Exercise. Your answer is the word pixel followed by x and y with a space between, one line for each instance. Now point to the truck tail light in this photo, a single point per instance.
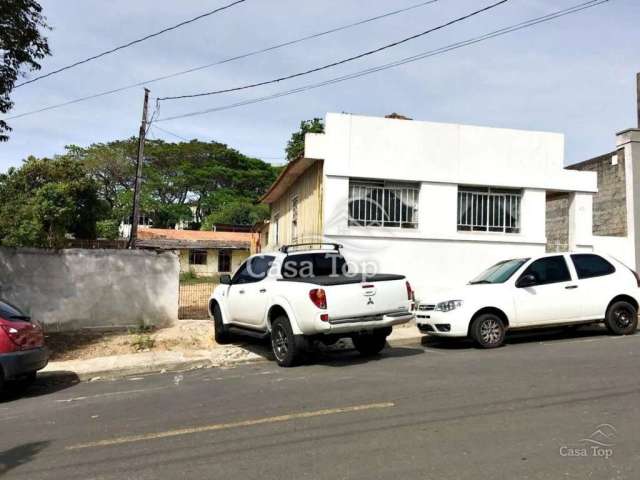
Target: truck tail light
pixel 319 298
pixel 409 292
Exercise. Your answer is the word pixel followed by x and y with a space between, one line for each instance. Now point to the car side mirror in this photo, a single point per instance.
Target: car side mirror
pixel 225 279
pixel 528 280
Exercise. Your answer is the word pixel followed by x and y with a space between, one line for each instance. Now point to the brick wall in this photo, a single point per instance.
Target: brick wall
pixel 609 204
pixel 557 222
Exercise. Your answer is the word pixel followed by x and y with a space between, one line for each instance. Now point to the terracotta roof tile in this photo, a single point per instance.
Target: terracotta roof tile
pixel 168 238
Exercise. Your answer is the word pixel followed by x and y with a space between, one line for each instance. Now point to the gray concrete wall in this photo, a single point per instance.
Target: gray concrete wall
pixel 610 203
pixel 72 289
pixel 557 222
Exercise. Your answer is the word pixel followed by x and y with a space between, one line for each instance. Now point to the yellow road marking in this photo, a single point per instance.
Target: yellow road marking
pixel 226 426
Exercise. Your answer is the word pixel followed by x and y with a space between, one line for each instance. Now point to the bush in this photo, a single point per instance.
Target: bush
pixel 108 229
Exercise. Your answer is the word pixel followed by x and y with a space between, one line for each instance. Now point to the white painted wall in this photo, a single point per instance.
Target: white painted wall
pixel 436 256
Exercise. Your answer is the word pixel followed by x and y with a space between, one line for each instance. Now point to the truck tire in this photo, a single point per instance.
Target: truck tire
pixel 369 344
pixel 488 331
pixel 220 332
pixel 286 347
pixel 622 318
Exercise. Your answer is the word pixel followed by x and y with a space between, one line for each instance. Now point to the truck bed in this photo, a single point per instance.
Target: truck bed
pixel 344 279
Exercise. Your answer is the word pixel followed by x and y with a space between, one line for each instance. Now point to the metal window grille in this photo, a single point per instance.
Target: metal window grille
pixel 383 204
pixel 489 210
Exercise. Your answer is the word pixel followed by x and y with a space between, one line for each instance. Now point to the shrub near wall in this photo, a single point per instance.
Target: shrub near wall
pixel 76 288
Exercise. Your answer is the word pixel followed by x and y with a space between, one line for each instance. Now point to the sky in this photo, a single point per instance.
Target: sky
pixel 574 75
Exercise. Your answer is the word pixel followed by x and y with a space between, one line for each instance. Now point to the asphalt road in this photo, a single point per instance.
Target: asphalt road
pixel 532 409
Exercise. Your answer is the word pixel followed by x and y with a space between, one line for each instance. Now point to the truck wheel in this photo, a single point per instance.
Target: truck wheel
pixel 488 331
pixel 285 346
pixel 369 344
pixel 622 318
pixel 221 334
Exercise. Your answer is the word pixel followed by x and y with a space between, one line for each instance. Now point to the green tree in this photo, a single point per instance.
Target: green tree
pixel 180 180
pixel 21 45
pixel 44 201
pixel 295 146
pixel 236 213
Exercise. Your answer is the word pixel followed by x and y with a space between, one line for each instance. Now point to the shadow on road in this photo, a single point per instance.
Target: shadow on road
pixel 518 337
pixel 340 354
pixel 45 384
pixel 16 456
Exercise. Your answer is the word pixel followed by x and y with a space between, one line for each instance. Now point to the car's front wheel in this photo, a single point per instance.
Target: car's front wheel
pixel 622 318
pixel 369 344
pixel 220 331
pixel 488 331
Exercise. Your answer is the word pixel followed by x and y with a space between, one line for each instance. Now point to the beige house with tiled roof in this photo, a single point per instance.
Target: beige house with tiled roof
pixel 202 252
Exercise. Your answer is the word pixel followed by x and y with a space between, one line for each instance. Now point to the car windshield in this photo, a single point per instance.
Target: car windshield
pixel 11 312
pixel 500 272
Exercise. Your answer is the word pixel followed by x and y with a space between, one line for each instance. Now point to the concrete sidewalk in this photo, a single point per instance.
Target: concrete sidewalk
pixel 117 366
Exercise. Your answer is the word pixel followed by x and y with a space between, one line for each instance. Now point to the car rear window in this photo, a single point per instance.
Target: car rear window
pixel 308 265
pixel 589 265
pixel 11 312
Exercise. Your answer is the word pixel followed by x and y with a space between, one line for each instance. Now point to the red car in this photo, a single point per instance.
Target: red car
pixel 22 350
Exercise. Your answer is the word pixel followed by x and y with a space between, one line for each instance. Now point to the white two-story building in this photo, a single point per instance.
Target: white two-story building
pixel 436 202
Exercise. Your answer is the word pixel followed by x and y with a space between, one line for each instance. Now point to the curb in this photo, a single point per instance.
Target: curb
pixel 175 366
pixel 182 366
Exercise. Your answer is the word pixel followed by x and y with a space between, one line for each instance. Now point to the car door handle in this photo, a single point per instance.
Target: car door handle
pixel 241 291
pixel 571 287
pixel 262 290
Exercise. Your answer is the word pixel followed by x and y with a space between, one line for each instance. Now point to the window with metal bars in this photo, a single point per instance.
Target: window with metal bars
pixel 489 209
pixel 383 204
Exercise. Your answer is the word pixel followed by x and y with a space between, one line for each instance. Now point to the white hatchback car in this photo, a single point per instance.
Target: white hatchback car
pixel 550 290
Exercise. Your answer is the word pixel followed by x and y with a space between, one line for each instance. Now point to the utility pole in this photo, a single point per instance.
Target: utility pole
pixel 133 236
pixel 638 96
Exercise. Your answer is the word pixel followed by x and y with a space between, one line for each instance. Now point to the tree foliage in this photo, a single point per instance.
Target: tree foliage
pixel 182 182
pixel 21 45
pixel 44 201
pixel 87 192
pixel 295 146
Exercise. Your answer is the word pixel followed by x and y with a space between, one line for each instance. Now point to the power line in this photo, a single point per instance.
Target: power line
pixel 221 62
pixel 134 42
pixel 171 133
pixel 250 155
pixel 343 61
pixel 406 60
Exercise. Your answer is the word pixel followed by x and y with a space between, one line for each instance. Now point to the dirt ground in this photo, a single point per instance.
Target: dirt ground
pixel 186 335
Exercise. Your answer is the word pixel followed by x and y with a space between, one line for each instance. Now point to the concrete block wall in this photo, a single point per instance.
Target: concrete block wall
pixel 73 289
pixel 610 203
pixel 557 222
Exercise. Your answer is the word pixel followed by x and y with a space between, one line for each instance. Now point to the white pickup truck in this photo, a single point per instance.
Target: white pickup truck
pixel 304 293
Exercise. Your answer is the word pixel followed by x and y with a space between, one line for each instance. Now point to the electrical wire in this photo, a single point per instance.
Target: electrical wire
pixel 129 44
pixel 403 61
pixel 340 62
pixel 221 62
pixel 184 139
